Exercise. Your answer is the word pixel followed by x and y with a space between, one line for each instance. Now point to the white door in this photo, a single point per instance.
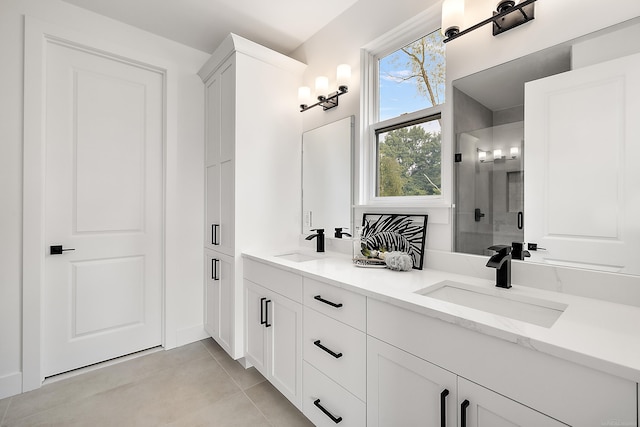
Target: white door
pixel 103 199
pixel 404 390
pixel 581 166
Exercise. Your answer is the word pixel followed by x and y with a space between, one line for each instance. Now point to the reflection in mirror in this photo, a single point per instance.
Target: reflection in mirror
pixel 326 177
pixel 546 190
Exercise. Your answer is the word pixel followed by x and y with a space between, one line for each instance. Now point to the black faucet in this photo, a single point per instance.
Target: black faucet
pixel 339 233
pixel 320 236
pixel 502 263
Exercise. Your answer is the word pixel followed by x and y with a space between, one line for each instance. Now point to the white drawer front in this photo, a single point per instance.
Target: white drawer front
pixel 322 297
pixel 283 282
pixel 320 392
pixel 348 364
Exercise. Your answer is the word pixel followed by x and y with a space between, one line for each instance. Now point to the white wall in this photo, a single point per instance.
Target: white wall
pixel 185 185
pixel 341 41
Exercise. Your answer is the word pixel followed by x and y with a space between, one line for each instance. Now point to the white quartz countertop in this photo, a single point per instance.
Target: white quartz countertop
pixel 598 334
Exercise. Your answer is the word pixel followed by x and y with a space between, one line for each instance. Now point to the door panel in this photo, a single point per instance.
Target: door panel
pixel 581 201
pixel 103 198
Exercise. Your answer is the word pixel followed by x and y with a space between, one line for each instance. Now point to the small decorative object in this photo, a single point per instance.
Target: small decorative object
pixel 383 233
pixel 399 261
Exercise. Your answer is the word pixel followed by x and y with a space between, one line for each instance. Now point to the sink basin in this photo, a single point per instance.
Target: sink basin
pixel 527 309
pixel 298 257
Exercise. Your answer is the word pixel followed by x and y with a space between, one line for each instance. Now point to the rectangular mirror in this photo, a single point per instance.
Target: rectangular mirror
pixel 327 155
pixel 545 154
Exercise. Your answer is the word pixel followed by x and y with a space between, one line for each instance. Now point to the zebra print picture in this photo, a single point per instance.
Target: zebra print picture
pixel 396 232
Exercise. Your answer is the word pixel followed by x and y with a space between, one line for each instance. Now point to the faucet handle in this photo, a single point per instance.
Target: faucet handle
pixel 501 249
pixel 319 230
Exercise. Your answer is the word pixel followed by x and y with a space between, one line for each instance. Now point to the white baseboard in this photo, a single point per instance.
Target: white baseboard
pixel 10 385
pixel 191 334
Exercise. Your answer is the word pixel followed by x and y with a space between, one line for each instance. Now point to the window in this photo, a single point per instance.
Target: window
pixel 404 109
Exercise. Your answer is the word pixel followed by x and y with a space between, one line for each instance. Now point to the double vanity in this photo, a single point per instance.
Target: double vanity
pixel 358 346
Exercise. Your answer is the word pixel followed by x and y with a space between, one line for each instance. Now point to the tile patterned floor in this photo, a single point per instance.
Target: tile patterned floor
pixel 194 385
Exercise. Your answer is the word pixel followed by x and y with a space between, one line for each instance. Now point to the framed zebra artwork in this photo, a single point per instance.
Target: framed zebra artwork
pixel 395 232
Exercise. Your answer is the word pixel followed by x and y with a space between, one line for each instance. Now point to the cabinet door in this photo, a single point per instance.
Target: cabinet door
pixel 212 205
pixel 255 342
pixel 226 307
pixel 212 122
pixel 404 390
pixel 581 201
pixel 212 296
pixel 285 346
pixel 227 208
pixel 488 409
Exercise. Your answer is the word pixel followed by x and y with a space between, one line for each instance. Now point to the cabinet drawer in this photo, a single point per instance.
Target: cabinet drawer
pixel 319 393
pixel 352 307
pixel 283 282
pixel 336 349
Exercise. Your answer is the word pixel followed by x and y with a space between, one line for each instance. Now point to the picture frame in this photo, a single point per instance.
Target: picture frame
pixel 396 232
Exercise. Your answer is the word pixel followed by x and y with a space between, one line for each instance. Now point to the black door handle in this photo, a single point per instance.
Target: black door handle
pixel 214 269
pixel 266 313
pixel 214 234
pixel 262 321
pixel 57 250
pixel 443 407
pixel 463 413
pixel 334 354
pixel 520 220
pixel 327 413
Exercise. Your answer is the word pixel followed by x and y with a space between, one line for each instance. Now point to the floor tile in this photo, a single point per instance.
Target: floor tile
pixel 234 411
pixel 75 388
pixel 244 377
pixel 155 400
pixel 4 404
pixel 278 410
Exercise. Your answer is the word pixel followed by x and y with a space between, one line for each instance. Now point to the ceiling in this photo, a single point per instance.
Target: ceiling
pixel 281 25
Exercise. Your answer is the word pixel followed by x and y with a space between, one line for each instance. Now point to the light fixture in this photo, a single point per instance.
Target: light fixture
pixel 508 15
pixel 497 154
pixel 327 101
pixel 482 156
pixel 514 152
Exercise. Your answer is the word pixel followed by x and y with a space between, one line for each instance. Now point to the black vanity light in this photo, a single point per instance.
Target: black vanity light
pixel 509 14
pixel 326 101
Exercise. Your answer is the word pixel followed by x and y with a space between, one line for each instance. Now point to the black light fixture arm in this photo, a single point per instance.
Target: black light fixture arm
pixel 505 19
pixel 327 102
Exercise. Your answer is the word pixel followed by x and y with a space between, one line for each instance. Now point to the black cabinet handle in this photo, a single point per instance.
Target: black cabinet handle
pixel 214 269
pixel 266 313
pixel 262 321
pixel 520 220
pixel 327 413
pixel 443 407
pixel 463 413
pixel 332 304
pixel 214 234
pixel 336 355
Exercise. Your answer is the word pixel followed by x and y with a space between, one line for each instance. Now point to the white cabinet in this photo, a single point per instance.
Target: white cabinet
pixel 219 293
pixel 274 339
pixel 404 390
pixel 274 326
pixel 252 167
pixel 481 407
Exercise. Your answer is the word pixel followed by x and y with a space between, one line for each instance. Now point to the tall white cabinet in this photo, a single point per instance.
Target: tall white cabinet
pixel 252 168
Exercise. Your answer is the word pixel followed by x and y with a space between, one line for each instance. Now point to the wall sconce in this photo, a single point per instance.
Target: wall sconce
pixel 327 101
pixel 497 155
pixel 508 15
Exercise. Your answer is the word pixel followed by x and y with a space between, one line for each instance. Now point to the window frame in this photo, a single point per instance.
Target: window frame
pixel 419 26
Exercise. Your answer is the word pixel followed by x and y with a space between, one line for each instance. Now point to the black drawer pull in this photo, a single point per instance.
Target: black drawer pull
pixel 214 269
pixel 332 304
pixel 266 312
pixel 336 355
pixel 443 407
pixel 463 413
pixel 262 321
pixel 327 413
pixel 214 234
